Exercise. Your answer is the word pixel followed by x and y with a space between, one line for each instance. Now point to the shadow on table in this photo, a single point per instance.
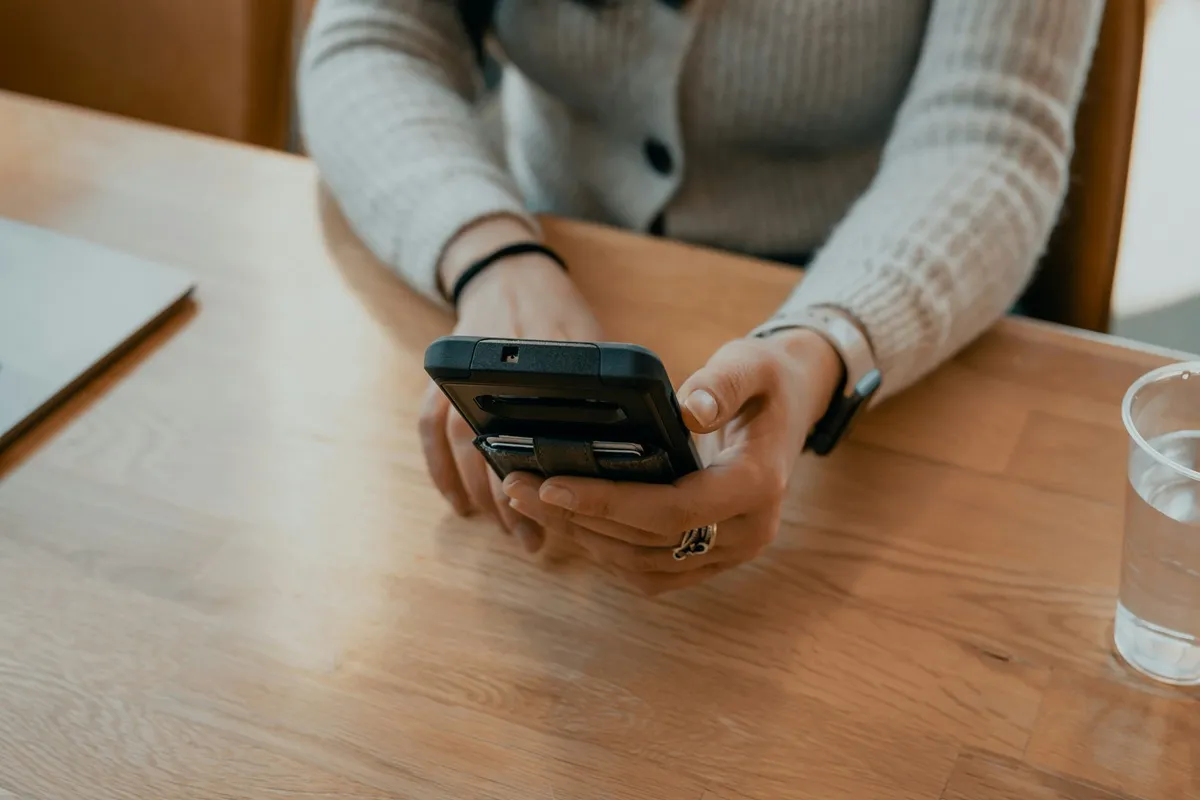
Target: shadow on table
pixel 91 387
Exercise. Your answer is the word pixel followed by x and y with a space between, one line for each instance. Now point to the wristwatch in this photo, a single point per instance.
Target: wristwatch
pixel 861 377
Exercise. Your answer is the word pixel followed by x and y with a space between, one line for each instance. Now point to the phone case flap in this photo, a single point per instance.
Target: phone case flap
pixel 565 457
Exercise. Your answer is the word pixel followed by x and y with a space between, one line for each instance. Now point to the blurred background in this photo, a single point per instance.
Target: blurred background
pixel 218 67
pixel 225 68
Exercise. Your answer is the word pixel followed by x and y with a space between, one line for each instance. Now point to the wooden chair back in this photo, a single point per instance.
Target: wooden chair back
pixel 1074 282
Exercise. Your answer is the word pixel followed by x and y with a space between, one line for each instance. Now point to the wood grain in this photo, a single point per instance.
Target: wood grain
pixel 223 571
pixel 982 777
pixel 1141 739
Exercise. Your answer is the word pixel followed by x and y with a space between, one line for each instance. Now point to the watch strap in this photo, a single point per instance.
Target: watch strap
pixel 861 378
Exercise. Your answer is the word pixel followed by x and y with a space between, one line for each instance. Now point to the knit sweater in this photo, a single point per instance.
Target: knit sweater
pixel 919 147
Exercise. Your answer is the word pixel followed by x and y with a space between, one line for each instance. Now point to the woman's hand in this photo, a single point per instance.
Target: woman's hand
pixel 527 296
pixel 758 399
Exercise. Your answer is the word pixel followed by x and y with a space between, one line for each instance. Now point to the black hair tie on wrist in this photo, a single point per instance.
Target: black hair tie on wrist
pixel 520 248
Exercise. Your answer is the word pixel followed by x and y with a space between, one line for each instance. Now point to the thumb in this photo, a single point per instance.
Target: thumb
pixel 710 398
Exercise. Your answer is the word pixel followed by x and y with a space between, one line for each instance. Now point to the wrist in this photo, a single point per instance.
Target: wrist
pixel 838 394
pixel 816 363
pixel 510 275
pixel 477 240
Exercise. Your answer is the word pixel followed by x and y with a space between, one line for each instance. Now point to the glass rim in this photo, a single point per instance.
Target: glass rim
pixel 1153 376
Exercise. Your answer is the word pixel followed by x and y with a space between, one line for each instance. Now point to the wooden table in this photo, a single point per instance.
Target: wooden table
pixel 223 572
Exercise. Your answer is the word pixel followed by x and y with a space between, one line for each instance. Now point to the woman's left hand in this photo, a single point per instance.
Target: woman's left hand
pixel 758 399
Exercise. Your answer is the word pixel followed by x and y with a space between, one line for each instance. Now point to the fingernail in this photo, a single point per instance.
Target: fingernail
pixel 531 537
pixel 557 496
pixel 703 406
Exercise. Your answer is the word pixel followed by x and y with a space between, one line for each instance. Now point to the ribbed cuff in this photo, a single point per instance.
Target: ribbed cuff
pixel 896 327
pixel 457 203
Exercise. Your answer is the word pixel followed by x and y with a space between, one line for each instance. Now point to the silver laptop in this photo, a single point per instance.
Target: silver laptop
pixel 67 308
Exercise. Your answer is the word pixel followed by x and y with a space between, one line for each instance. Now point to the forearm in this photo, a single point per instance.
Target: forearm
pixel 970 185
pixel 386 91
pixel 924 270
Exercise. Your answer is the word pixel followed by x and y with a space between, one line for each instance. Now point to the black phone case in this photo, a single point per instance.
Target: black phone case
pixel 565 396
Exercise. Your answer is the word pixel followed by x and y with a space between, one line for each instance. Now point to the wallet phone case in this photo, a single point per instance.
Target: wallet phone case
pixel 567 404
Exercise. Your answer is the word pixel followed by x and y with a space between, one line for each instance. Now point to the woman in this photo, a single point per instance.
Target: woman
pixel 914 152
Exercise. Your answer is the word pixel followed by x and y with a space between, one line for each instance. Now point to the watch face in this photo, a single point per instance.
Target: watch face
pixel 869 384
pixel 864 390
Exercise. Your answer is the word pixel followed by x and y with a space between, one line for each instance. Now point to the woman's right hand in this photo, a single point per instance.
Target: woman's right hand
pixel 523 297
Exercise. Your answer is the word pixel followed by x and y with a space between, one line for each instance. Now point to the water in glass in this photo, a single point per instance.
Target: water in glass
pixel 1158 616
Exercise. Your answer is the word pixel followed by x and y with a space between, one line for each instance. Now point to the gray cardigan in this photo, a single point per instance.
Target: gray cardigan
pixel 921 147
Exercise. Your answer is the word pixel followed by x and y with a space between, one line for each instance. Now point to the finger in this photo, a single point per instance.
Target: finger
pixel 652 584
pixel 508 518
pixel 720 492
pixel 523 492
pixel 523 487
pixel 439 458
pixel 625 559
pixel 525 504
pixel 622 534
pixel 528 532
pixel 472 468
pixel 634 558
pixel 738 373
pixel 567 523
pixel 526 483
pixel 536 514
pixel 741 539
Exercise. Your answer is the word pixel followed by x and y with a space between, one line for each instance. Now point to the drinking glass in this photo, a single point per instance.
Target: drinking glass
pixel 1157 628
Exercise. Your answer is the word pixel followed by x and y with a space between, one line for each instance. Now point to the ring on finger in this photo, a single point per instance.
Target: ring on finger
pixel 696 542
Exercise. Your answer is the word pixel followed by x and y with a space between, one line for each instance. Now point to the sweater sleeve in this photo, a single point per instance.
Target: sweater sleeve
pixel 969 186
pixel 386 93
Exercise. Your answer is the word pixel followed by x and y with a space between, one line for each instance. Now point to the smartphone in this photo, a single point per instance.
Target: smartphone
pixel 590 409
